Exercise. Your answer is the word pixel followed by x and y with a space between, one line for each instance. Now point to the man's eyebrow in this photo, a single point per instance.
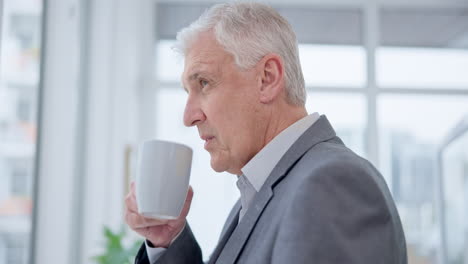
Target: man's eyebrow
pixel 196 75
pixel 191 77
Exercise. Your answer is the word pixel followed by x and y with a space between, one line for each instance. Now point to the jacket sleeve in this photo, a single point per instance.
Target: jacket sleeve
pixel 184 249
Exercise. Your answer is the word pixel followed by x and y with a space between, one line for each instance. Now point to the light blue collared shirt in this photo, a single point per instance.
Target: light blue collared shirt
pixel 257 170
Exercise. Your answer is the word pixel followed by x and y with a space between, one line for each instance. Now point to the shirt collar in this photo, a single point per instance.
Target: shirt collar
pixel 262 164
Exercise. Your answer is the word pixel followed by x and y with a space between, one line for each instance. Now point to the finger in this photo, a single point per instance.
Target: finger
pixel 133 190
pixel 187 204
pixel 135 221
pixel 127 196
pixel 189 195
pixel 131 204
pixel 151 234
pixel 143 232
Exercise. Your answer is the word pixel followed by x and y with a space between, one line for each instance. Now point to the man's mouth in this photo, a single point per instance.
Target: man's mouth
pixel 207 139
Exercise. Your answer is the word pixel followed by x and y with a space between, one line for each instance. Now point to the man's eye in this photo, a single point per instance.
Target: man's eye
pixel 203 83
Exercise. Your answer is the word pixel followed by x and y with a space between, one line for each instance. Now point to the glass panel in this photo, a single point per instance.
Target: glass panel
pixel 346 112
pixel 455 199
pixel 411 128
pixel 422 68
pixel 215 193
pixel 423 48
pixel 435 27
pixel 19 78
pixel 335 66
pixel 169 66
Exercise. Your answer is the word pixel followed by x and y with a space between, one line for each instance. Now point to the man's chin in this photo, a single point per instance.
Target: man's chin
pixel 218 164
pixel 223 167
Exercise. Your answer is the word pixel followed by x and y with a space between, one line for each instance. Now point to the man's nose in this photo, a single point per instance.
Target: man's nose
pixel 193 114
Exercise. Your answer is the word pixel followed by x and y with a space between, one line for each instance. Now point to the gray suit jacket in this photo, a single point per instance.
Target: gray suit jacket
pixel 321 204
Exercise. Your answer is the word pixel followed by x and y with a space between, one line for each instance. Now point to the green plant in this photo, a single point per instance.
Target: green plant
pixel 115 251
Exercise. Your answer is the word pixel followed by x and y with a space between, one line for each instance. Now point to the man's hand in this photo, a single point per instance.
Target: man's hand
pixel 159 232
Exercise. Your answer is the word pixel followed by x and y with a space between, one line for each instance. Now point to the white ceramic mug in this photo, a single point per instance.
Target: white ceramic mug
pixel 162 178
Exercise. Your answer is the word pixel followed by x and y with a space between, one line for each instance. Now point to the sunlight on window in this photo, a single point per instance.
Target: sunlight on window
pixel 422 68
pixel 335 66
pixel 411 128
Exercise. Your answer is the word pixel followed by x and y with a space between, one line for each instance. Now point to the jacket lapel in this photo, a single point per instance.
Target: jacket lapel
pixel 238 238
pixel 320 131
pixel 232 222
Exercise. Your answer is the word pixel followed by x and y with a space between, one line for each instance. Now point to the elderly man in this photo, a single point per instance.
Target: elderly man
pixel 305 197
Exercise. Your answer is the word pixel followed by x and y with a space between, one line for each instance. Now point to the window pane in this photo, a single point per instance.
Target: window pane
pixel 422 68
pixel 346 112
pixel 423 48
pixel 169 66
pixel 411 129
pixel 335 66
pixel 432 27
pixel 455 199
pixel 19 78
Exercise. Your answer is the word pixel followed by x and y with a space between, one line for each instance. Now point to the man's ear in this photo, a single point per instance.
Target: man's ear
pixel 271 69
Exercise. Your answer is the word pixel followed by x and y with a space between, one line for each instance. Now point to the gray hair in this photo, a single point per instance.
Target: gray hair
pixel 249 31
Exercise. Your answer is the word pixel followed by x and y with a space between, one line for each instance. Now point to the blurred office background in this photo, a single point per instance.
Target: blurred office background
pixel 83 82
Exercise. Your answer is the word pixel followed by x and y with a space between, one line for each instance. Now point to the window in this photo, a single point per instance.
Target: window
pixel 346 112
pixel 403 67
pixel 423 48
pixel 411 129
pixel 16 249
pixel 19 79
pixel 20 178
pixel 455 197
pixel 420 73
pixel 333 66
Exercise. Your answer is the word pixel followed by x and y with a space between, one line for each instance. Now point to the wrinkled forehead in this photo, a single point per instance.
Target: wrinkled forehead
pixel 196 62
pixel 205 54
